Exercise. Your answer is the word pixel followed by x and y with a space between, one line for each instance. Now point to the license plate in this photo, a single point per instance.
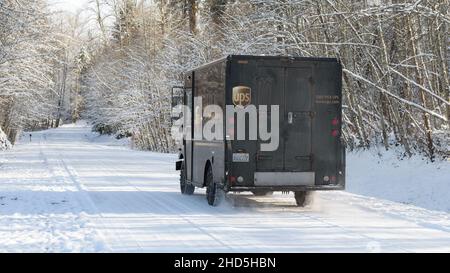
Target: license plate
pixel 241 157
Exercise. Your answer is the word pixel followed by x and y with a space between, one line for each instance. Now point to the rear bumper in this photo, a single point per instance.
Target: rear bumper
pixel 285 179
pixel 287 188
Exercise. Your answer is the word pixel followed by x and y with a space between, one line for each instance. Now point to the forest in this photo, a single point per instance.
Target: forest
pixel 114 63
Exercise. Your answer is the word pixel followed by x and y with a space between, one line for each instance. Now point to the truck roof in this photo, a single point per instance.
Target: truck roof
pixel 231 57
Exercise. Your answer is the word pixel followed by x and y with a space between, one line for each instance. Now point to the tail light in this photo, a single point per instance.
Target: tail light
pixel 232 179
pixel 335 122
pixel 329 179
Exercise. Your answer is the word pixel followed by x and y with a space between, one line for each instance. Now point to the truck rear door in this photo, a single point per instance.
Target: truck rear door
pixel 270 86
pixel 290 88
pixel 297 117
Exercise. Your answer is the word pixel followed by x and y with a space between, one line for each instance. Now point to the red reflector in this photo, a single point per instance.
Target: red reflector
pixel 334 122
pixel 232 179
pixel 333 179
pixel 335 133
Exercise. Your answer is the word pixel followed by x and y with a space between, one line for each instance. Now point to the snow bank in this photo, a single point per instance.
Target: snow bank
pixel 97 138
pixel 4 143
pixel 109 140
pixel 413 181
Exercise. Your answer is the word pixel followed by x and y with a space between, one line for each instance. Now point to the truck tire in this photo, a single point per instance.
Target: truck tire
pixel 303 198
pixel 185 188
pixel 261 193
pixel 214 194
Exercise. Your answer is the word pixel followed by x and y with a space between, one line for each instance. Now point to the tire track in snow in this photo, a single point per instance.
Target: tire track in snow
pixel 390 208
pixel 62 177
pixel 166 206
pixel 175 205
pixel 147 212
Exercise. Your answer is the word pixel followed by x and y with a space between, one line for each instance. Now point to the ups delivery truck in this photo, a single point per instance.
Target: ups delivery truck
pixel 294 101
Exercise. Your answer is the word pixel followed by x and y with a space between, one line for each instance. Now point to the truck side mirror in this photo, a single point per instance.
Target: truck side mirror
pixel 177 100
pixel 177 95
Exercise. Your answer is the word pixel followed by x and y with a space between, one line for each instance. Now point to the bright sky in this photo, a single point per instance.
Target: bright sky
pixel 67 5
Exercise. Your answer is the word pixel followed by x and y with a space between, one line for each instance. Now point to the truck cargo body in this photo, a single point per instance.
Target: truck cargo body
pixel 307 91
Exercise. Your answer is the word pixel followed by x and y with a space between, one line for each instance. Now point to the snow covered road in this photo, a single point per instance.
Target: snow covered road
pixel 67 191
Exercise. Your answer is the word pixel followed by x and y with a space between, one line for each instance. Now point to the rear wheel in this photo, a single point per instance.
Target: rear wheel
pixel 261 193
pixel 214 194
pixel 185 187
pixel 303 198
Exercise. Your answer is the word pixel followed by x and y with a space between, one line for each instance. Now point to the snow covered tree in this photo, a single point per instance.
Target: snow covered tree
pixel 27 47
pixel 119 73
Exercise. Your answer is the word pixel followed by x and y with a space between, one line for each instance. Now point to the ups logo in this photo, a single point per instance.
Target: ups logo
pixel 242 95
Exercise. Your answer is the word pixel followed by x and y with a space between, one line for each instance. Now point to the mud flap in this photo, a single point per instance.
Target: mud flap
pixel 178 165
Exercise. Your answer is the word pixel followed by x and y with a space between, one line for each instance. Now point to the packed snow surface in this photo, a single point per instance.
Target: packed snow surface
pixel 68 190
